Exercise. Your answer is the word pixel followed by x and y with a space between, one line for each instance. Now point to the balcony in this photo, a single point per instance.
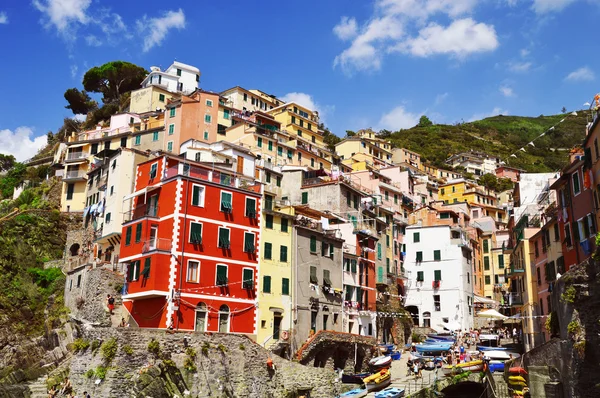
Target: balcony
pixel 103 133
pixel 75 175
pixel 76 157
pixel 156 244
pixel 515 299
pixel 141 212
pixel 514 271
pixel 214 176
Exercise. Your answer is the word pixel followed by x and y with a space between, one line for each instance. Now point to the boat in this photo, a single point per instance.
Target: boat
pixel 354 378
pixel 499 355
pixel 356 393
pixel 438 347
pixel 472 366
pixel 496 366
pixel 517 371
pixel 381 362
pixel 516 379
pixel 390 392
pixel 378 381
pixel 488 348
pixel 441 337
pixel 396 355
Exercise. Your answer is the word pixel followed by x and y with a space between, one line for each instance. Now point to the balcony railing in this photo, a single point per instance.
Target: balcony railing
pixel 215 176
pixel 513 270
pixel 141 211
pixel 515 298
pixel 72 156
pixel 74 174
pixel 159 244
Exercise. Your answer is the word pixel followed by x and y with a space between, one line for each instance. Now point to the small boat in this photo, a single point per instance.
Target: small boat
pixel 438 347
pixel 499 355
pixel 473 366
pixel 441 337
pixel 517 371
pixel 354 378
pixel 381 362
pixel 488 348
pixel 396 355
pixel 356 393
pixel 496 366
pixel 390 392
pixel 378 381
pixel 516 379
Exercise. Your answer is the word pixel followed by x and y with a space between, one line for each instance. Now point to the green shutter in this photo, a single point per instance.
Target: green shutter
pixel 437 275
pixel 379 251
pixel 285 286
pixel 283 254
pixel 420 277
pixel 437 255
pixel 501 260
pixel 196 233
pixel 226 205
pixel 326 277
pixel 313 244
pixel 130 269
pixel 259 142
pixel 487 280
pixel 486 247
pixel 304 198
pixel 278 181
pixel 196 195
pixel 248 279
pixel 419 257
pixel 138 233
pixel 313 275
pixel 486 263
pixel 269 221
pixel 380 274
pixel 128 236
pixel 284 224
pixel 221 275
pixel 353 265
pixel 250 208
pixel 266 284
pixel 146 271
pixel 416 237
pixel 268 250
pixel 224 238
pixel 249 243
pixel 270 145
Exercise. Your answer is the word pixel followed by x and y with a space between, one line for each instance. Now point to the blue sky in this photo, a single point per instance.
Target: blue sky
pixel 361 63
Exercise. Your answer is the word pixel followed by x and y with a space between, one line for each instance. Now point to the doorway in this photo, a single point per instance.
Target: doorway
pixel 277 318
pixel 224 319
pixel 200 318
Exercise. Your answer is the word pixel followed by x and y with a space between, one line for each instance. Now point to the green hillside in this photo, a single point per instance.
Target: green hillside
pixel 500 136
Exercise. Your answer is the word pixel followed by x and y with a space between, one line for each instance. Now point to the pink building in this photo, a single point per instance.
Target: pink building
pixel 508 172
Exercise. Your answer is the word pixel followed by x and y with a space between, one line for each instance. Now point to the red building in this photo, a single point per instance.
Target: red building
pixel 191 244
pixel 575 213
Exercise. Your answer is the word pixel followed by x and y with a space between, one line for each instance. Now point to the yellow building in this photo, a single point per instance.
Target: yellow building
pixel 150 99
pixel 254 100
pixel 365 149
pixel 460 190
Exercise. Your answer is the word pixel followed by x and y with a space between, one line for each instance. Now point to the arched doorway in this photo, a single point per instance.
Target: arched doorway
pixel 200 324
pixel 414 313
pixel 224 319
pixel 74 249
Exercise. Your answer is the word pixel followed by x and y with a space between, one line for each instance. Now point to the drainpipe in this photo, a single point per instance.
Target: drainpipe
pixel 294 309
pixel 183 235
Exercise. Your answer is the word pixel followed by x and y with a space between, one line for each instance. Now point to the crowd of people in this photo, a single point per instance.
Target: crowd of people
pixel 65 389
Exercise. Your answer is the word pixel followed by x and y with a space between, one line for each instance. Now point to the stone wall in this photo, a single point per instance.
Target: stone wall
pixel 228 365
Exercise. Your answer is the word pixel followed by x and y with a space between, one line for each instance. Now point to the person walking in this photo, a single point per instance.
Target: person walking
pixel 110 302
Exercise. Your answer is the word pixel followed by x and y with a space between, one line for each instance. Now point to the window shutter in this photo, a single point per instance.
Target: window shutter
pixel 313 244
pixel 138 232
pixel 437 255
pixel 268 250
pixel 248 243
pixel 283 254
pixel 221 275
pixel 284 225
pixel 250 208
pixel 304 198
pixel 420 277
pixel 326 276
pixel 248 279
pixel 196 233
pixel 285 286
pixel 331 251
pixel 130 268
pixel 128 236
pixel 136 274
pixel 438 275
pixel 416 237
pixel 380 274
pixel 486 263
pixel 224 238
pixel 269 221
pixel 379 251
pixel 576 231
pixel 419 257
pixel 196 196
pixel 323 248
pixel 146 271
pixel 226 205
pixel 485 246
pixel 353 265
pixel 501 260
pixel 313 275
pixel 266 284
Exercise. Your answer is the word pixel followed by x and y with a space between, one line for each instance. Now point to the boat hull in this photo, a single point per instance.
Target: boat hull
pixel 355 378
pixel 473 366
pixel 357 393
pixel 433 347
pixel 391 392
pixel 378 386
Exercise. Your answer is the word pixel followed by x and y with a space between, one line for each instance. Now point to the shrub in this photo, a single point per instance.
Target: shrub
pixel 80 345
pixel 242 347
pixel 190 352
pixel 189 365
pixel 574 327
pixel 154 347
pixel 580 347
pixel 90 373
pixel 118 288
pixel 109 350
pixel 127 349
pixel 205 347
pixel 222 348
pixel 100 372
pixel 416 338
pixel 569 295
pixel 549 323
pixel 95 345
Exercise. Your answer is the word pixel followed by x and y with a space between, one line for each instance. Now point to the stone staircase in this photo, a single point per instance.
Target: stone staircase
pixel 37 388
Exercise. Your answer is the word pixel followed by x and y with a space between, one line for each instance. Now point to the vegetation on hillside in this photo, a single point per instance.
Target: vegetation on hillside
pixel 498 136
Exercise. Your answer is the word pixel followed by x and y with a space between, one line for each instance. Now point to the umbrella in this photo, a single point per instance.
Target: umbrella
pixel 513 319
pixel 452 325
pixel 492 314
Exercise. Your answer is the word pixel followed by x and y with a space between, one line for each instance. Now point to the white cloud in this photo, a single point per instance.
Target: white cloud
pixel 74 70
pixel 80 117
pixel 3 18
pixel 308 101
pixel 524 52
pixel 546 6
pixel 426 8
pixel 440 98
pixel 519 66
pixel 495 112
pixel 398 118
pixel 461 38
pixel 21 143
pixel 346 29
pixel 154 30
pixel 581 74
pixel 507 91
pixel 64 15
pixel 93 41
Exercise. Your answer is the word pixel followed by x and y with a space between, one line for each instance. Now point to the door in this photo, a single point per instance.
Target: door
pixel 224 319
pixel 276 326
pixel 153 206
pixel 153 232
pixel 200 318
pixel 240 165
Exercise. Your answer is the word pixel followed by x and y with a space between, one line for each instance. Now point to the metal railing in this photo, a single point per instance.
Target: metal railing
pixel 156 244
pixel 141 211
pixel 515 298
pixel 74 174
pixel 76 156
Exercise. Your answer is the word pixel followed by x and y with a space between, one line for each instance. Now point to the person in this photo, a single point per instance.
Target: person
pixel 66 387
pixel 86 395
pixel 123 323
pixel 421 366
pixel 514 334
pixel 52 392
pixel 409 364
pixel 110 301
pixel 416 369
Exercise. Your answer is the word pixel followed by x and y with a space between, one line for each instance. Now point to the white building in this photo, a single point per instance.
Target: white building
pixel 438 268
pixel 250 100
pixel 177 78
pixel 475 163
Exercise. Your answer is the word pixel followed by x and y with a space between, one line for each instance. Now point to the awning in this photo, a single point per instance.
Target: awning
pixel 141 192
pixel 484 300
pixel 76 145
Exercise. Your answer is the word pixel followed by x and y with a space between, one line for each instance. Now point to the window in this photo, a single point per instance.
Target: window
pixel 196 233
pixel 501 260
pixel 576 187
pixel 207 118
pixel 326 278
pixel 155 136
pixel 107 218
pixel 568 241
pixel 138 233
pixel 172 112
pixel 355 201
pixel 285 286
pixel 486 263
pixel 304 198
pixel 223 238
pixel 279 151
pixel 420 276
pixel 249 242
pixel 193 271
pixel 313 275
pixel 270 145
pixel 437 275
pixel 488 279
pixel 171 129
pixel 70 191
pixel 137 140
pixel 416 237
pixel 290 154
pixel 269 221
pixel 313 244
pixel 379 251
pixel 283 254
pixel 226 205
pixel 247 279
pixel 128 236
pixel 170 146
pixel 133 271
pixel 178 72
pixel 419 257
pixel 268 177
pixel 266 284
pixel 94 149
pixel 437 305
pixel 206 135
pixel 197 195
pixel 284 224
pixel 468 277
pixel 486 247
pixel 268 251
pixel 161 97
pixel 353 266
pixel 437 255
pixel 209 102
pixel 221 275
pixel 250 208
pixel 278 181
pixel 556 233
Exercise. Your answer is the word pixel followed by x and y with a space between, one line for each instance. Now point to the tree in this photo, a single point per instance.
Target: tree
pixel 490 181
pixel 330 139
pixel 7 162
pixel 113 79
pixel 350 133
pixel 424 122
pixel 79 102
pixel 564 110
